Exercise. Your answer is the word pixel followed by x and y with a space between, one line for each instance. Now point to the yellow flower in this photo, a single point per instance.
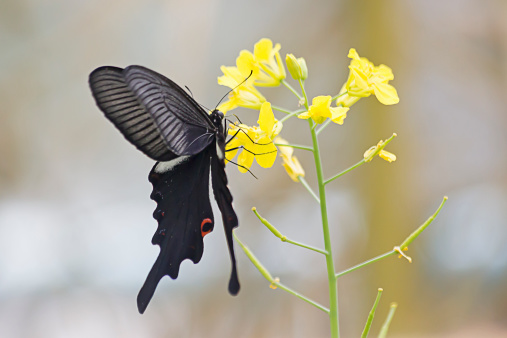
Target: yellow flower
pixel 290 163
pixel 379 150
pixel 366 79
pixel 244 95
pixel 321 109
pixel 255 142
pixel 264 63
pixel 270 62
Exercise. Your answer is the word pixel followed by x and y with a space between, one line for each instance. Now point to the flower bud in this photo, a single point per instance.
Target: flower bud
pixel 297 67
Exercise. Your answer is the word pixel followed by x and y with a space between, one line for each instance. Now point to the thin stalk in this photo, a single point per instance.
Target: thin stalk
pixel 345 171
pixel 289 114
pixel 286 84
pixel 274 281
pixel 300 296
pixel 385 326
pixel 309 247
pixel 360 265
pixel 333 287
pixel 371 315
pixel 337 96
pixel 283 110
pixel 324 125
pixel 419 230
pixel 297 146
pixel 283 238
pixel 310 190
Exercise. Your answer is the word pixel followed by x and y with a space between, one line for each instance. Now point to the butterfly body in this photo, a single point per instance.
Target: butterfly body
pixel 164 122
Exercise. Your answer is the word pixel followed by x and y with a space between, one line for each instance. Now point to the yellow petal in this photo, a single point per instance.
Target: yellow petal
pixel 245 160
pixel 262 50
pixel 389 157
pixel 267 155
pixel 319 119
pixel 386 93
pixel 339 114
pixel 230 154
pixel 266 118
pixel 304 116
pixel 286 151
pixel 293 168
pixel 246 64
pixel 368 154
pixel 353 54
pixel 384 72
pixel 322 101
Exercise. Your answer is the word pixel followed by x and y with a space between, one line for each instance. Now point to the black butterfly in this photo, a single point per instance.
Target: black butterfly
pixel 165 123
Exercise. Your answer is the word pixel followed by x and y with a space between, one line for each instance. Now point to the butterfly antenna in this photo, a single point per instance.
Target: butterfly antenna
pixel 236 116
pixel 248 136
pixel 251 72
pixel 242 166
pixel 191 94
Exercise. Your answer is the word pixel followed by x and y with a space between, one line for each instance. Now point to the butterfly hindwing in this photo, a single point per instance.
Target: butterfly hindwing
pixel 184 215
pixel 230 220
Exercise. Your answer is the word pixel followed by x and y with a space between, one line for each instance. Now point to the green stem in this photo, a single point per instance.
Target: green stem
pixel 332 285
pixel 307 186
pixel 421 228
pixel 283 238
pixel 337 96
pixel 294 146
pixel 323 126
pixel 385 326
pixel 345 171
pixel 371 315
pixel 286 84
pixel 360 265
pixel 283 110
pixel 309 247
pixel 290 114
pixel 300 296
pixel 274 281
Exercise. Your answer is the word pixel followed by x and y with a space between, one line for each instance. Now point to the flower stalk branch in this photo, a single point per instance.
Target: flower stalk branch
pixel 310 190
pixel 283 238
pixel 274 282
pixel 385 326
pixel 371 315
pixel 398 250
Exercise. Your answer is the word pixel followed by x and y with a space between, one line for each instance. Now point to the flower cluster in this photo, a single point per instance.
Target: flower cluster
pixel 261 68
pixel 254 142
pixel 264 68
pixel 366 79
pixel 321 110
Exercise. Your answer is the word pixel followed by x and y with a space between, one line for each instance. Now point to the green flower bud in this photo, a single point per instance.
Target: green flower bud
pixel 297 67
pixel 304 69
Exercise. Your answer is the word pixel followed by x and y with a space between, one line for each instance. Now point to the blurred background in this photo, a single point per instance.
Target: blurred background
pixel 75 214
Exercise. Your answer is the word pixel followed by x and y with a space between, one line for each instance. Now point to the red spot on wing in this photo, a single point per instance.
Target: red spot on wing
pixel 206 229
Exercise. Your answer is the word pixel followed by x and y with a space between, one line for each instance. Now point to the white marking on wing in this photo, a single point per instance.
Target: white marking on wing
pixel 163 167
pixel 220 154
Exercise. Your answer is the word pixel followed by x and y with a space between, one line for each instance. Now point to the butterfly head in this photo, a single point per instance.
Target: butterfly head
pixel 217 117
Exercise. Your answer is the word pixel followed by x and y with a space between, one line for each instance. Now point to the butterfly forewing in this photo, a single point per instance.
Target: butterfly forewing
pixel 187 129
pixel 151 111
pixel 122 107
